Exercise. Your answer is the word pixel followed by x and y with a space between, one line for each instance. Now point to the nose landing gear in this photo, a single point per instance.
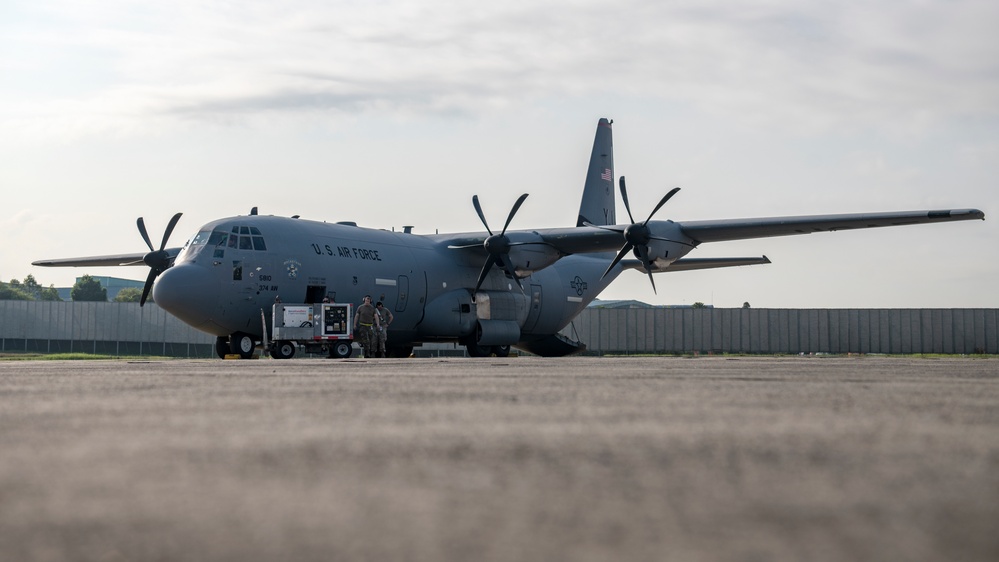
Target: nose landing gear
pixel 239 343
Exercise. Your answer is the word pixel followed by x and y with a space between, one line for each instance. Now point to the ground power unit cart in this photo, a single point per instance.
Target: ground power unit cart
pixel 317 328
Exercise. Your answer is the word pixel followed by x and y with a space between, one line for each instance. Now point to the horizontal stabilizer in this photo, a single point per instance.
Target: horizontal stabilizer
pixel 689 264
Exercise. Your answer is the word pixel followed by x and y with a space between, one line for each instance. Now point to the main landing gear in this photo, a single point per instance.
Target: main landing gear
pixel 476 350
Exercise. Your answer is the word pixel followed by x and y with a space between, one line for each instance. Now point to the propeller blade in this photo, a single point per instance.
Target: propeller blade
pixel 513 211
pixel 624 251
pixel 637 236
pixel 169 230
pixel 485 271
pixel 497 245
pixel 624 196
pixel 482 217
pixel 157 260
pixel 662 202
pixel 643 254
pixel 142 230
pixel 508 267
pixel 148 286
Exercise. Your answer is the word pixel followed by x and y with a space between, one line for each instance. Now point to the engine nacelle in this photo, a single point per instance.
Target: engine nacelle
pixel 529 253
pixel 501 305
pixel 668 243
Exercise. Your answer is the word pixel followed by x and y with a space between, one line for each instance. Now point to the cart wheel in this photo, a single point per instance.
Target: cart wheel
pixel 340 349
pixel 283 350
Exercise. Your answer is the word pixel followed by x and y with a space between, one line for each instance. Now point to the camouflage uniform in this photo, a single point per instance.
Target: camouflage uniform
pixel 365 322
pixel 381 333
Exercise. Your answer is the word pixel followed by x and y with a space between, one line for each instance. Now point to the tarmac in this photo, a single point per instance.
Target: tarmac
pixel 520 458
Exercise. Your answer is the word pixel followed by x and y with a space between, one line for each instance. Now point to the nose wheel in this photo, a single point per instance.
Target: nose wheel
pixel 242 344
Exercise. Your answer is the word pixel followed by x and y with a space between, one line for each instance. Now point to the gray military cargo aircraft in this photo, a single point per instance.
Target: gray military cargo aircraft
pixel 486 290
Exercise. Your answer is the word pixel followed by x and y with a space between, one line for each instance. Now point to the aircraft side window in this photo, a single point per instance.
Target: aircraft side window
pixel 233 241
pixel 245 243
pixel 258 243
pixel 254 231
pixel 237 270
pixel 244 230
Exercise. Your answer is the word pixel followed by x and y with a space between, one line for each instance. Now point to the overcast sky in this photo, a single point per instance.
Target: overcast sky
pixel 395 113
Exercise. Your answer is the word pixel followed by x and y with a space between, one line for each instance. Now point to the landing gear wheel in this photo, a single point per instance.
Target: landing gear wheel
pixel 501 350
pixel 476 350
pixel 222 346
pixel 283 350
pixel 242 344
pixel 340 350
pixel 400 352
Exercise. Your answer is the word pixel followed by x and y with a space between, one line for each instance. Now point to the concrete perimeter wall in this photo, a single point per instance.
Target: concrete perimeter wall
pixel 758 330
pixel 127 329
pixel 98 327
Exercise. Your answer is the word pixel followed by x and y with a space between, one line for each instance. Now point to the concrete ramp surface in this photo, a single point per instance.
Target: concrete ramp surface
pixel 639 458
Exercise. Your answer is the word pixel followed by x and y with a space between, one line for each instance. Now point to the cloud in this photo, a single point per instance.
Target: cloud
pixel 819 66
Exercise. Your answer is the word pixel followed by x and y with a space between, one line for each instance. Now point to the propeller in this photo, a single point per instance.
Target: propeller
pixel 157 260
pixel 636 235
pixel 497 245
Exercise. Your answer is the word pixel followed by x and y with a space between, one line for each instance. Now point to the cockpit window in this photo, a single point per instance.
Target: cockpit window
pixel 201 238
pixel 241 237
pixel 217 238
pixel 211 238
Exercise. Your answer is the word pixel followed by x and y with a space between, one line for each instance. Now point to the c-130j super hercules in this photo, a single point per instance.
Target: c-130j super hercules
pixel 486 290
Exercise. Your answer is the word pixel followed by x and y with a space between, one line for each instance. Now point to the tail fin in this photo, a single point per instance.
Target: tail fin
pixel 597 206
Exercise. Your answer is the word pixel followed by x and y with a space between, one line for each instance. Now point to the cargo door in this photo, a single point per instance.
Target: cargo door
pixel 403 297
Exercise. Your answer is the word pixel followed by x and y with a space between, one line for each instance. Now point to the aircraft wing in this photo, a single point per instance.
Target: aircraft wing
pixel 588 239
pixel 571 240
pixel 741 229
pixel 112 260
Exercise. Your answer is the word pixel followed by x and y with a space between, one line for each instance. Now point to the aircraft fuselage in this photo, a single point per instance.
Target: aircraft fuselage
pixel 234 268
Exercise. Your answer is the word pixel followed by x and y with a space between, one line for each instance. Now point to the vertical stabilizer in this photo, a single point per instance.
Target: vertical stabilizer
pixel 597 206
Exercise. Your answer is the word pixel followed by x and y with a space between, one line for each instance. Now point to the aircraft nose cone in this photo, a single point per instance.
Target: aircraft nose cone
pixel 189 292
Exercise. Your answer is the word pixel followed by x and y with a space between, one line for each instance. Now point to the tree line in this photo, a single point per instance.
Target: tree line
pixel 86 289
